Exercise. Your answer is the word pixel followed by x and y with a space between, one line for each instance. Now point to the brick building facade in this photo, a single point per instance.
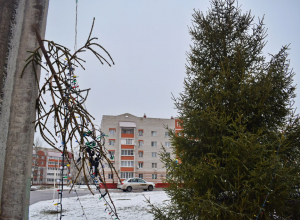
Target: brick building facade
pixel 135 143
pixel 46 165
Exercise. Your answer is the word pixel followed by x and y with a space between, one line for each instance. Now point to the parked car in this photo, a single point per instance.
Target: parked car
pixel 135 183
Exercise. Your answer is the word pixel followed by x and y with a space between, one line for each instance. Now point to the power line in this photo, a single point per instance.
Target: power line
pixel 75 44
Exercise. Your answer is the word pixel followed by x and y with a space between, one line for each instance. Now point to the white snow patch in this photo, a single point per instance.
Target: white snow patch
pixel 129 206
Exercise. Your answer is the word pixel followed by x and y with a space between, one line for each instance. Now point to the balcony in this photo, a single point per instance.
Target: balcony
pixel 127 169
pixel 127 133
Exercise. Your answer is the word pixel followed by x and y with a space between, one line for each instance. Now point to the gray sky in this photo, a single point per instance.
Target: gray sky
pixel 148 40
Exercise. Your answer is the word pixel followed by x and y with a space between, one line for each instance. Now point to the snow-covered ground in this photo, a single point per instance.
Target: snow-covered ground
pixel 129 206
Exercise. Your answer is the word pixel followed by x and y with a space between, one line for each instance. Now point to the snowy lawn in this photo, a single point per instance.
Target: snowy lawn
pixel 129 206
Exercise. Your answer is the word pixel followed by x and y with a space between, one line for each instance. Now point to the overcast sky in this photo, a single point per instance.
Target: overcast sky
pixel 148 40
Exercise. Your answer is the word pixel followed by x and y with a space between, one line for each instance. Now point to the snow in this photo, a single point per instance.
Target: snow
pixel 129 206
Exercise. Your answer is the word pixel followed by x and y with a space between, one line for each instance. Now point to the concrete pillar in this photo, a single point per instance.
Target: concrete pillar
pixel 17 101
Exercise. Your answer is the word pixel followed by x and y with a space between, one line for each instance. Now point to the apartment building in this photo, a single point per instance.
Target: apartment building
pixel 135 143
pixel 46 166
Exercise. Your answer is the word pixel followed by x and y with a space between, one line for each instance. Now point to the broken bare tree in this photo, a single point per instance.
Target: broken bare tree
pixel 72 122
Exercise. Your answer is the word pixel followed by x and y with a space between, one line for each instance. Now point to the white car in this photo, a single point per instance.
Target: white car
pixel 135 183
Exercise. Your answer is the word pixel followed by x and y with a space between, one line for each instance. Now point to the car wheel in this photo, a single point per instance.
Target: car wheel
pixel 129 189
pixel 124 190
pixel 145 189
pixel 150 188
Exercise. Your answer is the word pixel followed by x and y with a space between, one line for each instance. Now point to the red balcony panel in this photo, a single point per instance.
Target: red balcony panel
pixel 127 157
pixel 127 146
pixel 127 169
pixel 127 135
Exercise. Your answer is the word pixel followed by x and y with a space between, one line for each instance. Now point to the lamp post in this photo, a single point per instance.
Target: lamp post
pixel 54 180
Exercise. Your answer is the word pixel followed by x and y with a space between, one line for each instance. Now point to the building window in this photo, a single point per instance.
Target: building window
pixel 166 134
pixel 153 143
pixel 167 144
pixel 126 175
pixel 43 157
pixel 141 164
pixel 37 156
pixel 154 165
pixel 153 154
pixel 111 142
pixel 153 133
pixel 37 163
pixel 55 158
pixel 168 154
pixel 112 131
pixel 127 163
pixel 154 176
pixel 141 132
pixel 141 176
pixel 141 153
pixel 111 154
pixel 42 163
pixel 126 152
pixel 127 131
pixel 141 143
pixel 110 176
pixel 127 141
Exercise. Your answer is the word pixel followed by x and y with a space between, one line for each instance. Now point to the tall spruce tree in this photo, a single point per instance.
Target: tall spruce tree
pixel 238 151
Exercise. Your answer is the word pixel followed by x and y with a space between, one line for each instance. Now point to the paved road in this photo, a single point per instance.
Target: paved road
pixel 42 195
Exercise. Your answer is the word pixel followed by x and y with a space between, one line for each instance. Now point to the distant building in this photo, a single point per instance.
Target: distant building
pixel 46 164
pixel 135 143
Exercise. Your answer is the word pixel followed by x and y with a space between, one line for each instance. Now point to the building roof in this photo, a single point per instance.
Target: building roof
pixel 127 124
pixel 131 115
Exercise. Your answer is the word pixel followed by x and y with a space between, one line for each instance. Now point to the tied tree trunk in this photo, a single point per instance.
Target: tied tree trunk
pixel 17 101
